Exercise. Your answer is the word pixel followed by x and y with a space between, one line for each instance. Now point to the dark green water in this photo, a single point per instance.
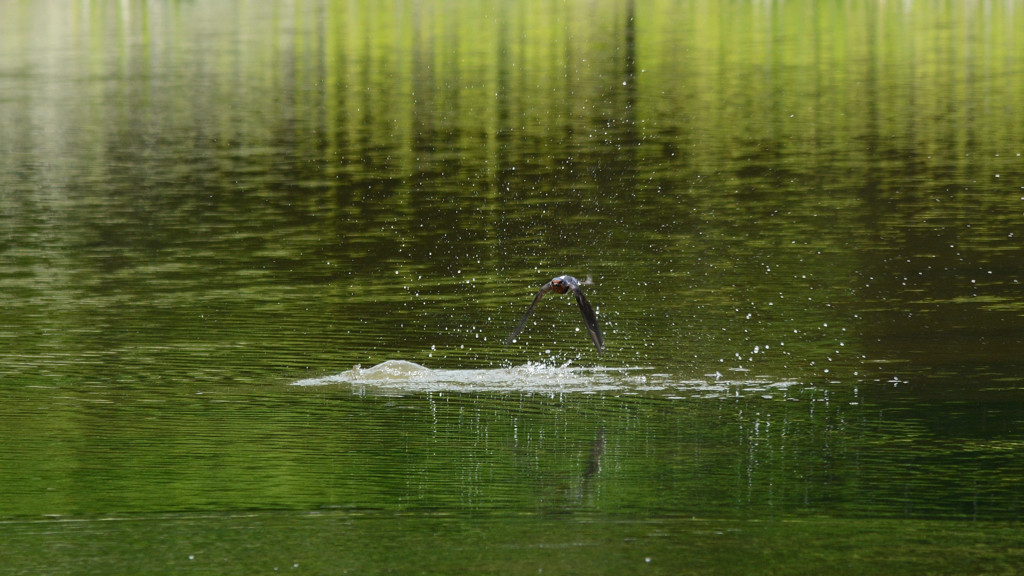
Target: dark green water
pixel 803 221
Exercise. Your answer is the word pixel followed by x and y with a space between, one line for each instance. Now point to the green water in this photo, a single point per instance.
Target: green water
pixel 803 221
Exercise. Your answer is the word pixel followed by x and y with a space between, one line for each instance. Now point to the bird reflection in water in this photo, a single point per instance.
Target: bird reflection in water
pixel 585 487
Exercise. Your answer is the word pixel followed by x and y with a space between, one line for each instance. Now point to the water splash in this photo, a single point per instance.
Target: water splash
pixel 405 376
pixel 402 377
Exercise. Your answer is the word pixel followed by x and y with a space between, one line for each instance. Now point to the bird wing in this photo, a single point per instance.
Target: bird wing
pixel 522 323
pixel 589 318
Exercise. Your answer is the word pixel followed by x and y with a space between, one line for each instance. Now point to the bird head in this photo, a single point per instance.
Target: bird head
pixel 560 285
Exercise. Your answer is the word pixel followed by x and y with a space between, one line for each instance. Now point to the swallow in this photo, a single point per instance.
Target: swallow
pixel 561 285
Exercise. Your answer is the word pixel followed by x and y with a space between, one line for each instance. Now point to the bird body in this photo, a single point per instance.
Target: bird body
pixel 561 285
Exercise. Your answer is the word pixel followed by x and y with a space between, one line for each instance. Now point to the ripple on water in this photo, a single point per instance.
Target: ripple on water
pixel 402 376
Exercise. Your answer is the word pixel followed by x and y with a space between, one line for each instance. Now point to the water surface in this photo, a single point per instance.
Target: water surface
pixel 803 222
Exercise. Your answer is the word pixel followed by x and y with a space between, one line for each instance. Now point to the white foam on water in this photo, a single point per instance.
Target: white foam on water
pixel 402 376
pixel 405 376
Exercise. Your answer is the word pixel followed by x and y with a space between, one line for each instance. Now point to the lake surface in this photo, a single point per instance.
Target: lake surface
pixel 260 260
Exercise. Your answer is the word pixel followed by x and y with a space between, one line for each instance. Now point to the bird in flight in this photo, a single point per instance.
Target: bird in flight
pixel 561 285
